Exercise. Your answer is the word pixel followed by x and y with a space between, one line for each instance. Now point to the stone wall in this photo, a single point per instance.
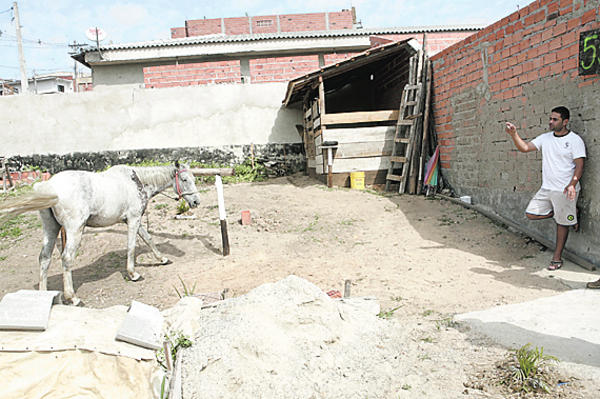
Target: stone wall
pixel 518 69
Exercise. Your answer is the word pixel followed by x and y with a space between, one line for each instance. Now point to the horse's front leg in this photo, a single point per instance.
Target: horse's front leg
pixel 133 225
pixel 68 256
pixel 148 240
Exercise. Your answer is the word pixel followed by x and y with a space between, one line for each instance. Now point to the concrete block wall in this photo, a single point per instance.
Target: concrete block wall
pixel 518 69
pixel 192 74
pixel 260 24
pixel 281 69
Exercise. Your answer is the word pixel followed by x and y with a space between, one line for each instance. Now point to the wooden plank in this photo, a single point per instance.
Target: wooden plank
pixel 319 140
pixel 311 162
pixel 360 134
pixel 394 177
pixel 364 149
pixel 211 171
pixel 316 123
pixel 402 140
pixel 357 164
pixel 405 122
pixel 396 158
pixel 358 117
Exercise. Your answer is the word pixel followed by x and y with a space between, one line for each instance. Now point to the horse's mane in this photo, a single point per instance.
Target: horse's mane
pixel 157 176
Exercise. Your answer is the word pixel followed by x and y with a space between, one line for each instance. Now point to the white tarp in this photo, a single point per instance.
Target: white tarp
pixel 77 356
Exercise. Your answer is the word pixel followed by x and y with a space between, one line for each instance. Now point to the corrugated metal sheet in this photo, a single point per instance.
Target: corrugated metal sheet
pixel 282 35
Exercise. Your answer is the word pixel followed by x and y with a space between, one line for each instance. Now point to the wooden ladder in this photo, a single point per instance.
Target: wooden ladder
pixel 406 127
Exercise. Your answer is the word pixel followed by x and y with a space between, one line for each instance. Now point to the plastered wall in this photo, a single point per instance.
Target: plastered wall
pixel 518 69
pixel 218 116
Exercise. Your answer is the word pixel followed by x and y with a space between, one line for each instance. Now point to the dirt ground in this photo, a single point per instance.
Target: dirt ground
pixel 424 259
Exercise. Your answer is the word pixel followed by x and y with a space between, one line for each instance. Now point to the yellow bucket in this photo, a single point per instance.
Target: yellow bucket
pixel 357 180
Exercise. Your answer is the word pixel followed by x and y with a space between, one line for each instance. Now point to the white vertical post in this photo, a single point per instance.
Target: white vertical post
pixel 222 214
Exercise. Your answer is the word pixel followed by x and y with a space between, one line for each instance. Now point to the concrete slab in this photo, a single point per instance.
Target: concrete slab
pixel 142 326
pixel 27 310
pixel 566 326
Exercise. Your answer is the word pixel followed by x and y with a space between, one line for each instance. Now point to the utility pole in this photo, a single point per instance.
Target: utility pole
pixel 24 86
pixel 75 46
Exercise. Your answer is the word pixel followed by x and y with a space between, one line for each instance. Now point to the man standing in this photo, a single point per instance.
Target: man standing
pixel 563 153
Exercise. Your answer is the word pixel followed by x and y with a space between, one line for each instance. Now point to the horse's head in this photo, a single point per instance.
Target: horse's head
pixel 184 185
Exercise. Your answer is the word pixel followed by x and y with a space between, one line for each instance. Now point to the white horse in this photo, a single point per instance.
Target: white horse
pixel 75 199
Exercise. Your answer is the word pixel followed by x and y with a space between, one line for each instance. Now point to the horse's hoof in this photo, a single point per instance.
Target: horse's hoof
pixel 135 276
pixel 164 260
pixel 75 301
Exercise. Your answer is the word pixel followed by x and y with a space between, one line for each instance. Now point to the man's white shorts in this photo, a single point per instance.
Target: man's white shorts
pixel 546 201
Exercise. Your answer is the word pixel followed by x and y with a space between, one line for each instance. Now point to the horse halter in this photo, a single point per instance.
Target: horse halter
pixel 178 187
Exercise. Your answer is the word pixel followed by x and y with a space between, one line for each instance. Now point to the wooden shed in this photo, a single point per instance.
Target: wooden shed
pixel 356 104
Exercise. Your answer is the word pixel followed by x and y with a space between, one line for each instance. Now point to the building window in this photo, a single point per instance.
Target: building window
pixel 264 22
pixel 61 88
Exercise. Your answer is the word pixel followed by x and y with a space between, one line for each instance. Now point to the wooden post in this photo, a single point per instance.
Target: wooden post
pixel 347 285
pixel 322 116
pixel 222 215
pixel 425 142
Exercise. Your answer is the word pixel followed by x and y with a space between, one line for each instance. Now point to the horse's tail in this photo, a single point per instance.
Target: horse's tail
pixel 26 203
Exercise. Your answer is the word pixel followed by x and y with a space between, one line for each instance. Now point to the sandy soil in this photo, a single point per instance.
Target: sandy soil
pixel 426 258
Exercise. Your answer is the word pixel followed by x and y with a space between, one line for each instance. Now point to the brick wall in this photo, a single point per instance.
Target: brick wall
pixel 192 74
pixel 518 69
pixel 282 69
pixel 260 24
pixel 337 57
pixel 236 26
pixel 436 41
pixel 264 24
pixel 199 27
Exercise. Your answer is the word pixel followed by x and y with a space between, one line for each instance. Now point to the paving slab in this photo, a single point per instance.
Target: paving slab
pixel 142 326
pixel 566 325
pixel 27 310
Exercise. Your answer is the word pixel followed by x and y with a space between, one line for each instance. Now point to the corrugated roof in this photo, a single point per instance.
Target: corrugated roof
pixel 282 35
pixel 298 85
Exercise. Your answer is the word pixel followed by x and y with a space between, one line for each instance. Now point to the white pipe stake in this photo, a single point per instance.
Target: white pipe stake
pixel 220 199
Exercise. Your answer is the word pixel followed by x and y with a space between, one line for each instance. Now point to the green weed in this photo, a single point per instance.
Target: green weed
pixel 527 369
pixel 389 313
pixel 182 207
pixel 186 291
pixel 160 206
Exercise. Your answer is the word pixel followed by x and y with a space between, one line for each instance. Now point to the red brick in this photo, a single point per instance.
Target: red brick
pixel 589 16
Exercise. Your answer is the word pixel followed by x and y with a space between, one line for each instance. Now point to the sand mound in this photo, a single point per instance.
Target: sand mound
pixel 289 339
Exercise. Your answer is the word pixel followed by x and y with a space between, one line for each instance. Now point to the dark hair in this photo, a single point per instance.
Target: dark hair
pixel 563 111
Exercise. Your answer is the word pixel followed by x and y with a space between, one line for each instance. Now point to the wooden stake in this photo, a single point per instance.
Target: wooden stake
pixel 347 285
pixel 222 215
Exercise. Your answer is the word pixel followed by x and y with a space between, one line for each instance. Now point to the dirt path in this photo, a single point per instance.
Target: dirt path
pixel 430 259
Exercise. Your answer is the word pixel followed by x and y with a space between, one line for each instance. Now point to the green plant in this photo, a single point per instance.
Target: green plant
pixel 186 291
pixel 177 341
pixel 388 314
pixel 527 369
pixel 311 225
pixel 248 171
pixel 428 312
pixel 160 206
pixel 182 207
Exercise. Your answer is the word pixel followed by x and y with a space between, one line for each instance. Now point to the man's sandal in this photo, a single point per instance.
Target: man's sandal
pixel 555 265
pixel 593 284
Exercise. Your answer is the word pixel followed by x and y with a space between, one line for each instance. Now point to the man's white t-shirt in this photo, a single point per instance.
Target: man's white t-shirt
pixel 558 155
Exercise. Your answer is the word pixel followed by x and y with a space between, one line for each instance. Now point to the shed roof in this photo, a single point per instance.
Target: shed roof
pixel 299 86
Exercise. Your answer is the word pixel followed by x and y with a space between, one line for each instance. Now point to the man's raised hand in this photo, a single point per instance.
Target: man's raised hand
pixel 510 129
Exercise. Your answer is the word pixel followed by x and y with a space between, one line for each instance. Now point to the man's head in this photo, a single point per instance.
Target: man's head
pixel 559 118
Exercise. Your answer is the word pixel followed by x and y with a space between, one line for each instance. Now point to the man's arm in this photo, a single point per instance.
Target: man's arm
pixel 519 142
pixel 570 189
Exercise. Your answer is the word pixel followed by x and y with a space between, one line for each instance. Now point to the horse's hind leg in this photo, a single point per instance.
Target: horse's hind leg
pixel 68 255
pixel 148 240
pixel 51 228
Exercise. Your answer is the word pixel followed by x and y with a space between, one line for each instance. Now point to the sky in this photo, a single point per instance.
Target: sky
pixel 48 27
